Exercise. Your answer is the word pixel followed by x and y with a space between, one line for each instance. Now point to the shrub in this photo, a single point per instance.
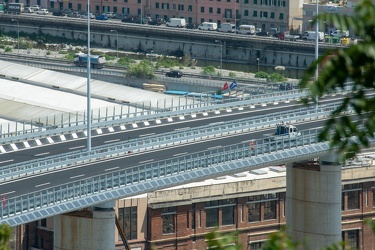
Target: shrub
pixel 261 74
pixel 232 74
pixel 275 77
pixel 209 70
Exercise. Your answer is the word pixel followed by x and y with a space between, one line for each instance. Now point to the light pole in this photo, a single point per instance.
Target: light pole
pixel 258 69
pixel 18 34
pixel 116 45
pixel 316 49
pixel 88 80
pixel 221 57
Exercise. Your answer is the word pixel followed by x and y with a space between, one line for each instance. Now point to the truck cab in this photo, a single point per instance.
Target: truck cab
pixel 283 132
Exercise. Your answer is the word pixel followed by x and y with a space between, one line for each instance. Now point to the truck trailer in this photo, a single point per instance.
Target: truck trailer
pixel 283 132
pixel 15 8
pixel 97 62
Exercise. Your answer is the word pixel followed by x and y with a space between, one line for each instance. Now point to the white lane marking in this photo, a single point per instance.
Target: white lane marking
pixel 46 153
pixel 38 142
pixel 216 123
pixel 217 112
pixel 229 110
pixel 205 114
pixel 85 132
pixel 122 127
pixel 110 129
pixel 135 125
pixel 193 115
pixel 75 136
pixel 240 108
pixel 146 161
pixel 99 131
pixel 77 176
pixel 62 137
pixel 109 169
pixel 7 161
pixel 275 103
pixel 264 104
pixel 26 143
pixel 2 149
pixel 182 117
pixel 146 134
pixel 181 154
pixel 49 139
pixel 215 147
pixel 179 129
pixel 11 192
pixel 252 107
pixel 158 121
pixel 146 123
pixel 111 140
pixel 47 183
pixel 287 101
pixel 14 146
pixel 77 147
pixel 170 119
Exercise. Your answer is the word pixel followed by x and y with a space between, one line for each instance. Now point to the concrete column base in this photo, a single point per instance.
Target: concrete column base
pixel 313 203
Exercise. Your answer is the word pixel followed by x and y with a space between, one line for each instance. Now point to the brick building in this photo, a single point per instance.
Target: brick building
pixel 253 203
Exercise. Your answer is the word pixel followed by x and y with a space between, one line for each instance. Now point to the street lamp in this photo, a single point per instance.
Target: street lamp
pixel 88 80
pixel 316 49
pixel 116 45
pixel 258 69
pixel 18 34
pixel 221 57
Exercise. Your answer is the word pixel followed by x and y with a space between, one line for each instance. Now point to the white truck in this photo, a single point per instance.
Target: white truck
pixel 227 27
pixel 207 26
pixel 176 22
pixel 283 132
pixel 311 35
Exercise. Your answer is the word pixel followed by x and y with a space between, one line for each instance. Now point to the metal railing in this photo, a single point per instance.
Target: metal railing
pixel 65 160
pixel 155 175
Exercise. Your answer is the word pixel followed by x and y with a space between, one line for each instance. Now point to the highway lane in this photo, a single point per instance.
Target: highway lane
pixel 80 172
pixel 142 130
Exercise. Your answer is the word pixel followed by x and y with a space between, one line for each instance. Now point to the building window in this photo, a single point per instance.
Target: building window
pixel 246 13
pixel 125 1
pixel 181 7
pixel 228 1
pixel 254 212
pixel 255 1
pixel 227 215
pixel 156 5
pixel 210 10
pixel 79 7
pixel 246 1
pixel 173 6
pixel 255 13
pixel 218 11
pixel 283 3
pixel 373 197
pixel 128 220
pixel 257 245
pixel 351 239
pixel 139 1
pixel 169 219
pixel 202 9
pixel 353 192
pixel 212 217
pixel 190 8
pixel 272 15
pixel 202 20
pixel 269 210
pixel 165 6
pixel 227 212
pixel 265 14
pixel 281 17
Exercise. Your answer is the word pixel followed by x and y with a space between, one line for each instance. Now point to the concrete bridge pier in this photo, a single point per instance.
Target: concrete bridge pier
pixel 89 229
pixel 313 202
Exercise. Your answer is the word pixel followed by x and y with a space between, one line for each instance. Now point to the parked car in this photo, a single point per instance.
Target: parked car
pixel 75 14
pixel 128 20
pixel 42 12
pixel 191 26
pixel 85 15
pixel 28 10
pixel 119 16
pixel 110 14
pixel 155 22
pixel 58 13
pixel 35 7
pixel 263 33
pixel 102 17
pixel 174 73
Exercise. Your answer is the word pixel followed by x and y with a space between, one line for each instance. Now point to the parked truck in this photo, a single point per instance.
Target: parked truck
pixel 97 62
pixel 283 132
pixel 15 8
pixel 176 22
pixel 311 35
pixel 287 36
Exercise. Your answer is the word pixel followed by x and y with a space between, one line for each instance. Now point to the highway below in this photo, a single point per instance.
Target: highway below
pixel 33 183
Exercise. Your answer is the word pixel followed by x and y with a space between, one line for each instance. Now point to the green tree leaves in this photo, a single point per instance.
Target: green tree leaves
pixel 355 64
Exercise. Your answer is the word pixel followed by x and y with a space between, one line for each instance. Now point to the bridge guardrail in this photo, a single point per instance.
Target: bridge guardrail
pixel 156 175
pixel 150 142
pixel 78 122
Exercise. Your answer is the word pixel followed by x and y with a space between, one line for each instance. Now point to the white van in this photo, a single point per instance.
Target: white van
pixel 176 22
pixel 227 27
pixel 341 33
pixel 311 35
pixel 207 26
pixel 246 29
